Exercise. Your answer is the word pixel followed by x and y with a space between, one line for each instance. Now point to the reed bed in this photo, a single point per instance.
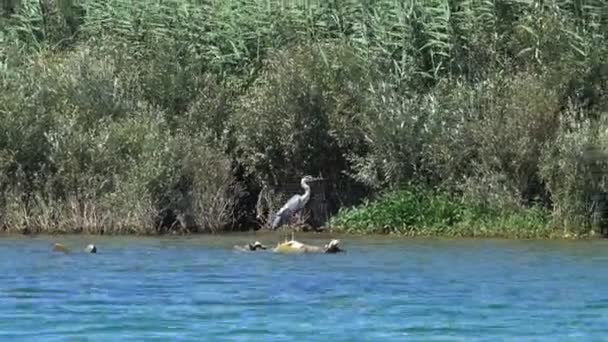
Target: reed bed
pixel 121 116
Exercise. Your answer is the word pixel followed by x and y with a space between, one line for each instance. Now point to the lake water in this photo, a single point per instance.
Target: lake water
pixel 381 289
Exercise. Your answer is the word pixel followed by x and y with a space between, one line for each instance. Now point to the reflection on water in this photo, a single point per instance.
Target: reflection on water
pixel 198 288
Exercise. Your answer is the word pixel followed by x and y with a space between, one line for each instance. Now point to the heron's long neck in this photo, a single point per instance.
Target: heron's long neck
pixel 306 195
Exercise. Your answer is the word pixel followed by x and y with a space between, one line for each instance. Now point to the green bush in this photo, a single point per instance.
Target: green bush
pixel 298 117
pixel 118 116
pixel 87 154
pixel 573 168
pixel 420 212
pixel 514 119
pixel 400 211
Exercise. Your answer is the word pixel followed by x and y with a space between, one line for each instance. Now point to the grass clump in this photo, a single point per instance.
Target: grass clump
pixel 420 212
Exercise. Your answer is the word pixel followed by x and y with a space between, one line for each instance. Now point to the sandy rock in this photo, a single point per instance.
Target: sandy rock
pixel 58 247
pixel 294 246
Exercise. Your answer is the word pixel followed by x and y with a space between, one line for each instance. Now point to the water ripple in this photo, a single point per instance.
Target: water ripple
pixel 196 289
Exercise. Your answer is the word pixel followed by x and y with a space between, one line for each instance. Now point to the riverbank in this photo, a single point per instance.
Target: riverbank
pixel 420 212
pixel 177 116
pixel 409 212
pixel 342 233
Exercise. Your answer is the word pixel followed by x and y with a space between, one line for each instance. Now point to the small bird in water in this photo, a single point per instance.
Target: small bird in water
pixel 251 247
pixel 91 248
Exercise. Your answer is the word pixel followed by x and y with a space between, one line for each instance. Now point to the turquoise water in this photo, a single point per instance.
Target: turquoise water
pixel 198 288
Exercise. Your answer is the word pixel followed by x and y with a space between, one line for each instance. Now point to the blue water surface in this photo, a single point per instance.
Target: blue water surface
pixel 381 289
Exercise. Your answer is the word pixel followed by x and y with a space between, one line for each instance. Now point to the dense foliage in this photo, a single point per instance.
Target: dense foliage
pixel 416 212
pixel 124 116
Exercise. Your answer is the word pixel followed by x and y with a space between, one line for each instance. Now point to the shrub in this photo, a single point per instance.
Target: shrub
pixel 204 188
pixel 118 116
pixel 514 119
pixel 573 169
pixel 87 154
pixel 398 131
pixel 416 211
pixel 297 118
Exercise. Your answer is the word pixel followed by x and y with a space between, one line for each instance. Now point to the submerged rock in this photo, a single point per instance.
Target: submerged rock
pixel 58 247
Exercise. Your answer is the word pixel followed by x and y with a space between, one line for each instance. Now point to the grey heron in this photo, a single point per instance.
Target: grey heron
pixel 294 205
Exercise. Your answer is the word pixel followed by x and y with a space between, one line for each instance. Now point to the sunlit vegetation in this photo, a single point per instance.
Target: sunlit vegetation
pixel 122 116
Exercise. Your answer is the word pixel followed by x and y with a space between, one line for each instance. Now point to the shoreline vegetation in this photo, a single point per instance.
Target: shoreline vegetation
pixel 440 117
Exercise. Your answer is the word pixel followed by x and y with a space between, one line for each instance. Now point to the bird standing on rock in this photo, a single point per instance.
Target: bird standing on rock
pixel 294 205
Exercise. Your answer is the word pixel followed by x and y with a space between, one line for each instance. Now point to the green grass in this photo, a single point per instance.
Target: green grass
pixel 430 213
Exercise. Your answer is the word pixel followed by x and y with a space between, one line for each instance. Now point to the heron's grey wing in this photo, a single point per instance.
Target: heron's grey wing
pixel 288 209
pixel 292 205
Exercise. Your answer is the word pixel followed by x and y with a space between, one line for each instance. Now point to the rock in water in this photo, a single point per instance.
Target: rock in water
pixel 294 246
pixel 57 247
pixel 91 248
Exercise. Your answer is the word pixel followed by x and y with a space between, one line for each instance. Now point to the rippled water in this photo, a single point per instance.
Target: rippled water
pixel 198 288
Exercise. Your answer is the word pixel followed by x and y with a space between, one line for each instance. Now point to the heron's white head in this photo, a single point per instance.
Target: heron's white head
pixel 308 178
